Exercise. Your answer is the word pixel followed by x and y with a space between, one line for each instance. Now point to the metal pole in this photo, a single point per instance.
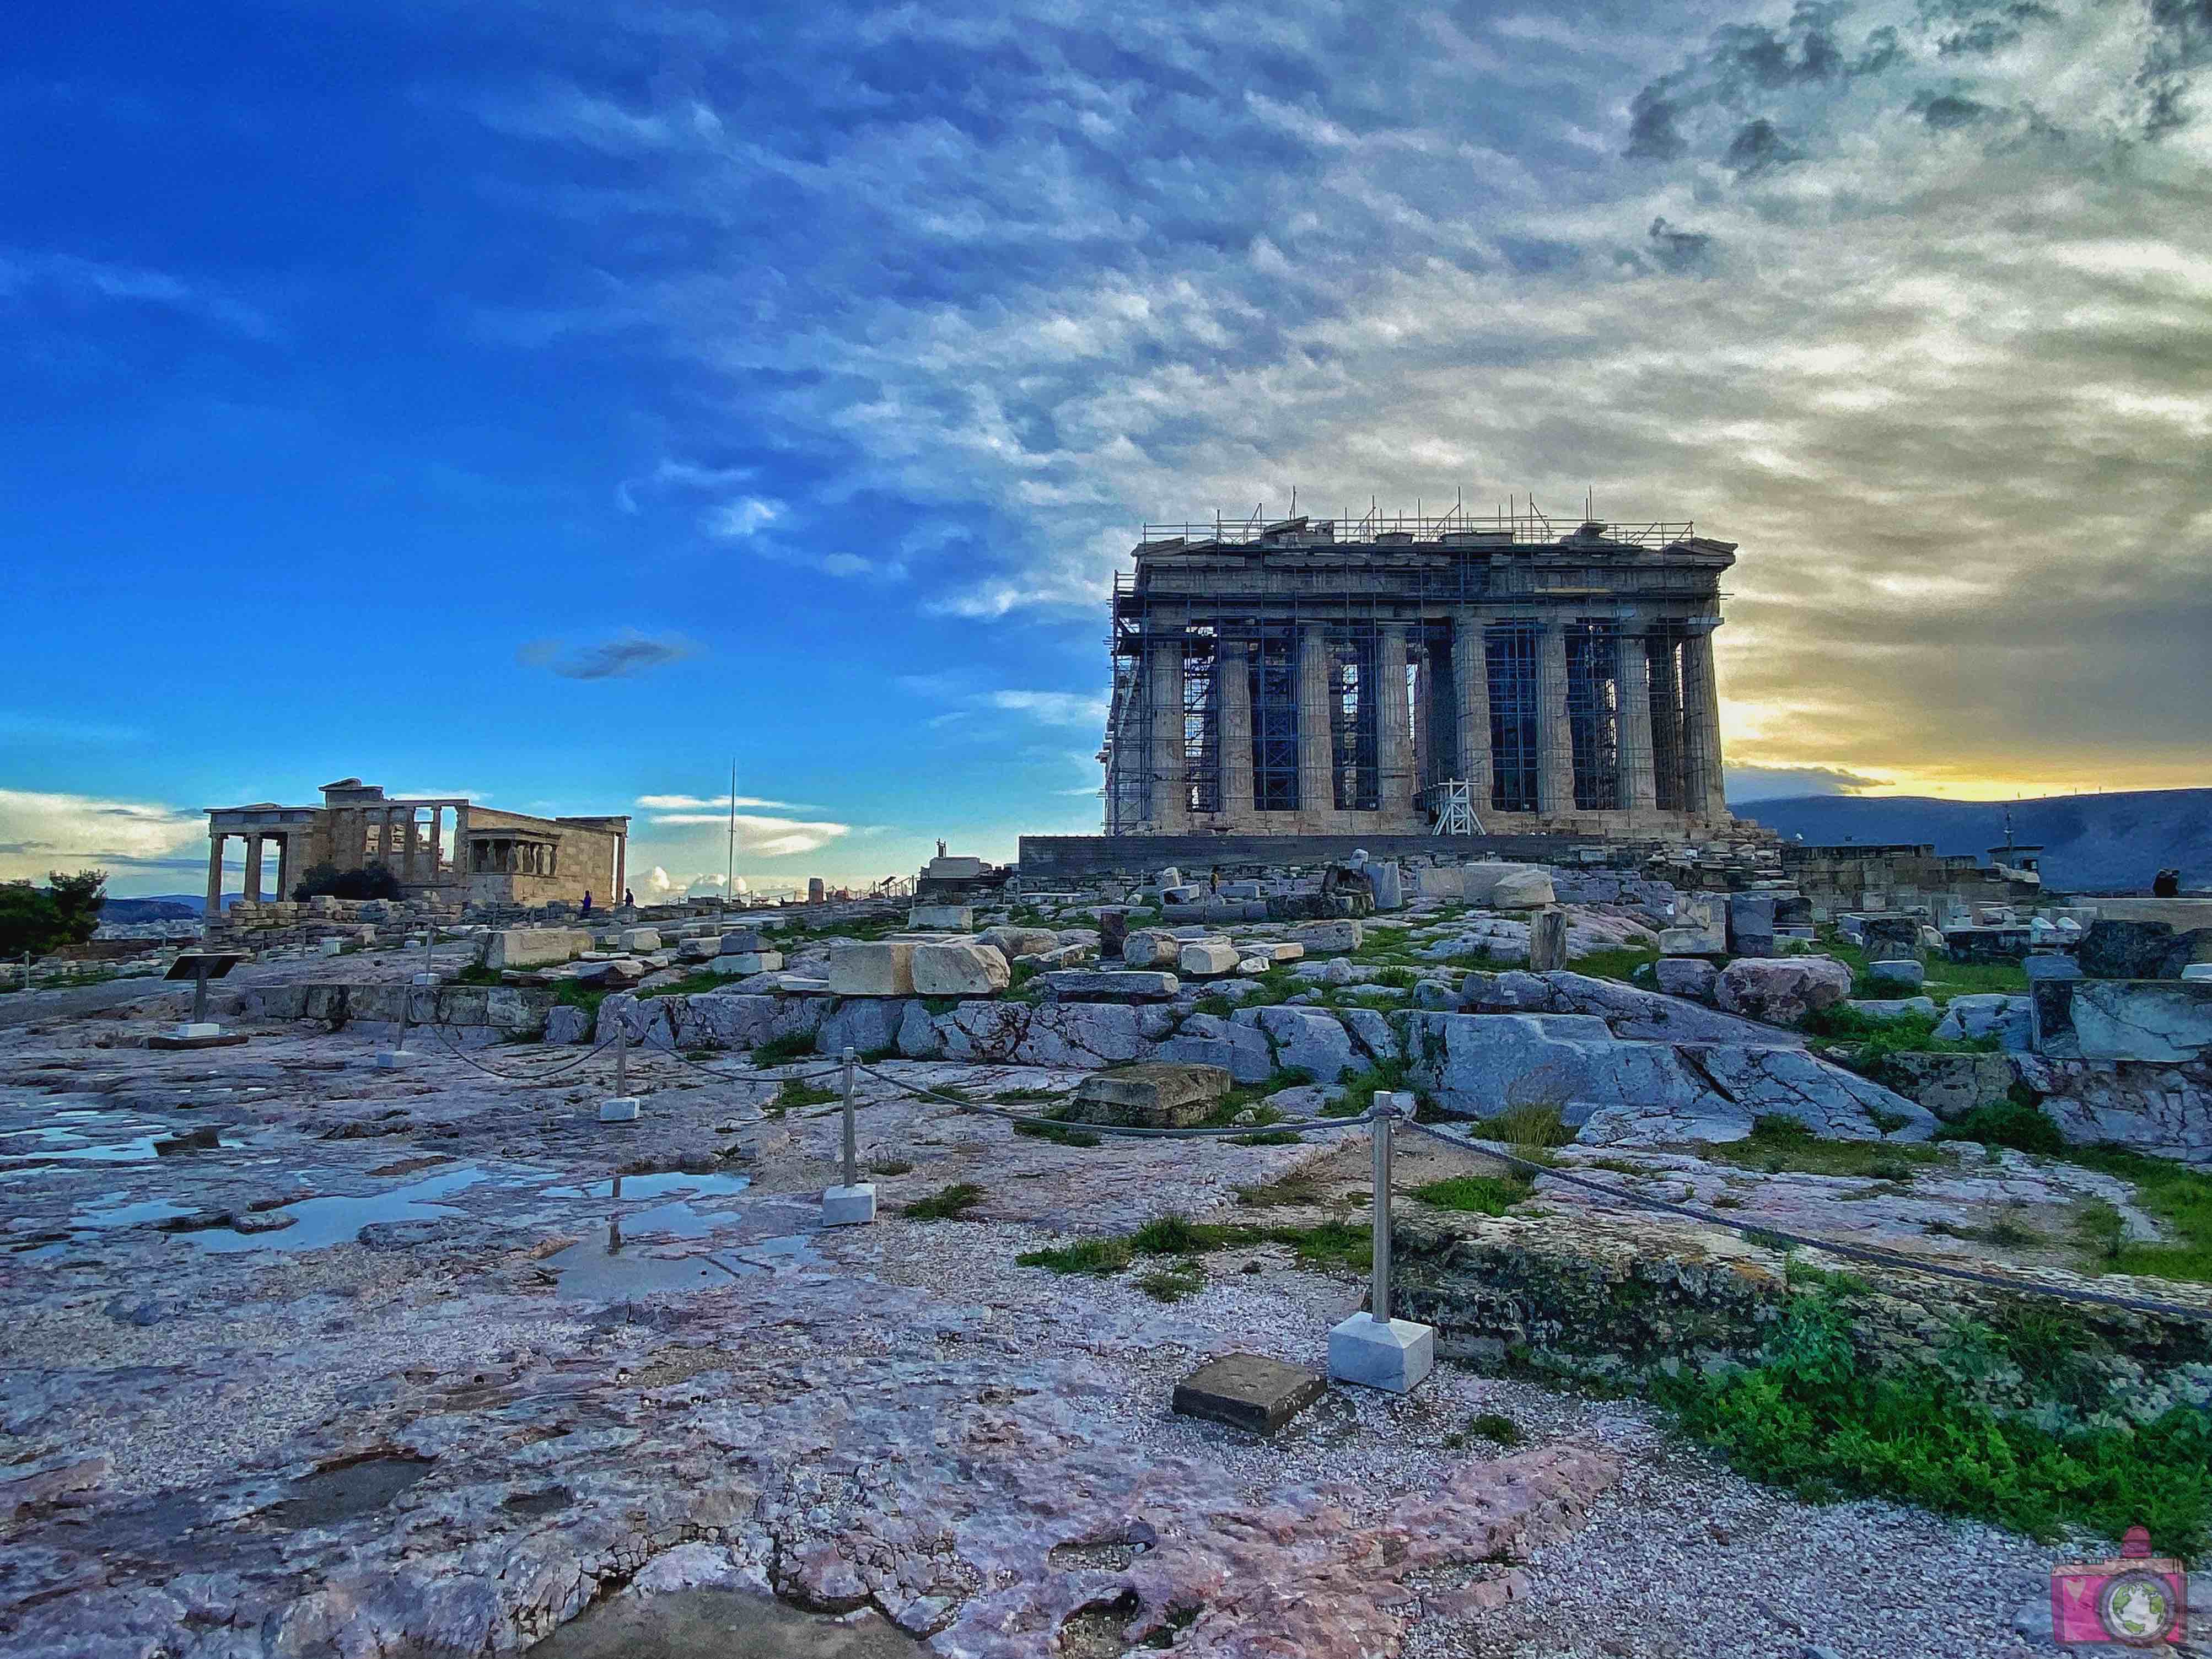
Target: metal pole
pixel 199 987
pixel 622 1060
pixel 1385 1117
pixel 852 1169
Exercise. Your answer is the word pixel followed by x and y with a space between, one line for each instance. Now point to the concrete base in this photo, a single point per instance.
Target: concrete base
pixel 849 1206
pixel 623 1110
pixel 426 979
pixel 1248 1391
pixel 221 1040
pixel 200 1029
pixel 393 1060
pixel 332 947
pixel 1393 1356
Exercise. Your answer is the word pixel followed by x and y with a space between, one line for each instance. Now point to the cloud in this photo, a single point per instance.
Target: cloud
pixel 40 832
pixel 681 803
pixel 628 653
pixel 1747 784
pixel 741 520
pixel 21 726
pixel 60 282
pixel 1054 708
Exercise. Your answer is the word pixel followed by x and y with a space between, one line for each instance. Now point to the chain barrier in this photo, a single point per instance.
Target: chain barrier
pixel 1756 1232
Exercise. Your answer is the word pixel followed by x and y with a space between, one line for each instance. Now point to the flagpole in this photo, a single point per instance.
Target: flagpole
pixel 730 875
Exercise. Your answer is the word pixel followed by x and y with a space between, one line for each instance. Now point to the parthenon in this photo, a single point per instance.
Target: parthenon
pixel 1331 677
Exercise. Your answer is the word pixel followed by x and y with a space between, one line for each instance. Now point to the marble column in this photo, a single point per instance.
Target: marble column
pixel 251 885
pixel 622 868
pixel 1232 704
pixel 1163 670
pixel 1471 680
pixel 1702 795
pixel 1394 727
pixel 1316 753
pixel 1555 736
pixel 1636 784
pixel 215 840
pixel 1666 721
pixel 437 842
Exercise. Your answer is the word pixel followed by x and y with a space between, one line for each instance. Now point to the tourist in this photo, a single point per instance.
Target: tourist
pixel 588 901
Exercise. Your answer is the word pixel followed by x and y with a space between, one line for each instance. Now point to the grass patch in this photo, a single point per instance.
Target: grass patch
pixel 1398 979
pixel 794 1094
pixel 1101 1258
pixel 1475 1195
pixel 781 1051
pixel 1493 1427
pixel 1777 1146
pixel 946 1204
pixel 1809 1419
pixel 1619 962
pixel 890 1166
pixel 477 974
pixel 2179 1196
pixel 1023 1096
pixel 1058 1134
pixel 1176 1282
pixel 1530 1130
pixel 2021 1125
pixel 690 985
pixel 1329 1244
pixel 1360 1087
pixel 1300 1187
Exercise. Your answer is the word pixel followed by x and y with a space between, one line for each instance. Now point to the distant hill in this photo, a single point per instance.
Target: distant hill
pixel 132 910
pixel 2091 843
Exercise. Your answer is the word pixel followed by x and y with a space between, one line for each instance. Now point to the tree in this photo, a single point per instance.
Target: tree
pixel 39 919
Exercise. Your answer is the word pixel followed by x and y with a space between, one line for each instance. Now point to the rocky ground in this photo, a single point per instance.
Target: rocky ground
pixel 397 1366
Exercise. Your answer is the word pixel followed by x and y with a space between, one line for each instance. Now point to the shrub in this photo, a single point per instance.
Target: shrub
pixel 1475 1195
pixel 2025 1128
pixel 947 1204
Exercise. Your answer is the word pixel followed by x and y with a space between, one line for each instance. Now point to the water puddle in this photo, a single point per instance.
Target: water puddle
pixel 599 1270
pixel 331 1496
pixel 319 1222
pixel 719 1625
pixel 127 1215
pixel 654 1186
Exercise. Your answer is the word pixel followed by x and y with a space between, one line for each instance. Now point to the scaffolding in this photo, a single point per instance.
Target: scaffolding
pixel 1250 597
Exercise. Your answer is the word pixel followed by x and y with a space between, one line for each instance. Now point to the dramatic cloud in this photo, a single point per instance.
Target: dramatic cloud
pixel 629 652
pixel 1907 297
pixel 39 833
pixel 1782 783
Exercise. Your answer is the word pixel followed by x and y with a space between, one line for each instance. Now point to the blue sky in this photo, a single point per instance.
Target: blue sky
pixel 549 401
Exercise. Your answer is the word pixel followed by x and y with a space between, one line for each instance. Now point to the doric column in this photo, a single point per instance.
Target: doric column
pixel 1424 692
pixel 437 842
pixel 215 839
pixel 287 863
pixel 1471 679
pixel 1316 755
pixel 251 885
pixel 1232 703
pixel 1393 726
pixel 1636 785
pixel 1703 795
pixel 1170 765
pixel 1666 721
pixel 622 869
pixel 1555 736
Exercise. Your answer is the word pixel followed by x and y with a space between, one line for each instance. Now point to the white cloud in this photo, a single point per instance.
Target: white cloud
pixel 1054 708
pixel 741 520
pixel 40 832
pixel 679 803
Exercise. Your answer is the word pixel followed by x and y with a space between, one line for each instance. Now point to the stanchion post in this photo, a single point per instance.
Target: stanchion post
pixel 623 1107
pixel 854 1201
pixel 1371 1348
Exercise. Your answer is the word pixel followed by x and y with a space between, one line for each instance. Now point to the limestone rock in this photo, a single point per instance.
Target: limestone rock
pixel 956 970
pixel 1685 976
pixel 531 947
pixel 1014 942
pixel 2161 1020
pixel 942 918
pixel 1372 1032
pixel 1909 972
pixel 1951 1085
pixel 864 1024
pixel 1149 947
pixel 1992 1015
pixel 1523 890
pixel 1782 990
pixel 566 1024
pixel 1305 1040
pixel 882 969
pixel 1073 1034
pixel 1628 1010
pixel 638 939
pixel 1322 938
pixel 1081 985
pixel 1208 1040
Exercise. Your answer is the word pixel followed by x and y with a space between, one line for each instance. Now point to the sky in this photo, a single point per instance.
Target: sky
pixel 553 401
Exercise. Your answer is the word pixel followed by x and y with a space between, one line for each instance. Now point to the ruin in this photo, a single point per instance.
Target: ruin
pixel 497 860
pixel 1407 675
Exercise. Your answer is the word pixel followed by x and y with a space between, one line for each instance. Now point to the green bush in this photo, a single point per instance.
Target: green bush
pixel 38 920
pixel 2025 1128
pixel 1475 1195
pixel 781 1051
pixel 947 1204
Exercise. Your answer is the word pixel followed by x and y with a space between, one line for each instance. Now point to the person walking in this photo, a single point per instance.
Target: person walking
pixel 587 901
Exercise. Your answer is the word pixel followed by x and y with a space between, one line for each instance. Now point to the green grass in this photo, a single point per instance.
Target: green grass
pixel 1779 1145
pixel 1810 1419
pixel 946 1204
pixel 794 1094
pixel 1101 1258
pixel 890 1166
pixel 781 1051
pixel 477 974
pixel 1531 1130
pixel 1174 1282
pixel 1620 962
pixel 569 994
pixel 1360 1087
pixel 690 985
pixel 1330 1243
pixel 2178 1196
pixel 1058 1134
pixel 1493 1427
pixel 2018 1124
pixel 1475 1195
pixel 1945 979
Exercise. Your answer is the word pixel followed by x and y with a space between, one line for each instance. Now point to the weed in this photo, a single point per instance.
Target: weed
pixel 1535 1124
pixel 1728 1201
pixel 1023 1096
pixel 1300 1187
pixel 890 1166
pixel 570 994
pixel 1360 1087
pixel 1494 1426
pixel 1398 979
pixel 794 1094
pixel 1270 1137
pixel 2024 1126
pixel 1475 1195
pixel 947 1204
pixel 477 974
pixel 1215 1004
pixel 690 985
pixel 1776 1144
pixel 2179 1196
pixel 1174 1282
pixel 1057 1135
pixel 1101 1258
pixel 781 1051
pixel 1619 963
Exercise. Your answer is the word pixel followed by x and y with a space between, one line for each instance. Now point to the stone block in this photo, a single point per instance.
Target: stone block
pixel 1248 1391
pixel 1891 939
pixel 1082 1034
pixel 942 918
pixel 1082 985
pixel 744 964
pixel 1157 1095
pixel 332 947
pixel 2161 1020
pixel 1685 976
pixel 1239 890
pixel 740 941
pixel 955 970
pixel 1308 1040
pixel 1387 885
pixel 636 939
pixel 1014 942
pixel 1169 877
pixel 1325 938
pixel 531 947
pixel 1951 1085
pixel 1527 888
pixel 1750 924
pixel 1782 990
pixel 1393 1355
pixel 1208 1040
pixel 1150 947
pixel 1548 940
pixel 1113 930
pixel 621 1110
pixel 1907 971
pixel 849 1206
pixel 1204 958
pixel 698 949
pixel 1187 894
pixel 881 969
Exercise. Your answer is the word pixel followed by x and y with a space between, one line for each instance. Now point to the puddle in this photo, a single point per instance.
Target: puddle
pixel 324 1221
pixel 331 1496
pixel 128 1215
pixel 652 1186
pixel 719 1625
pixel 597 1271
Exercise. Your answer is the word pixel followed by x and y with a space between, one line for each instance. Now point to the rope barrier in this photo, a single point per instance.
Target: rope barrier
pixel 513 1077
pixel 1284 1126
pixel 1866 1252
